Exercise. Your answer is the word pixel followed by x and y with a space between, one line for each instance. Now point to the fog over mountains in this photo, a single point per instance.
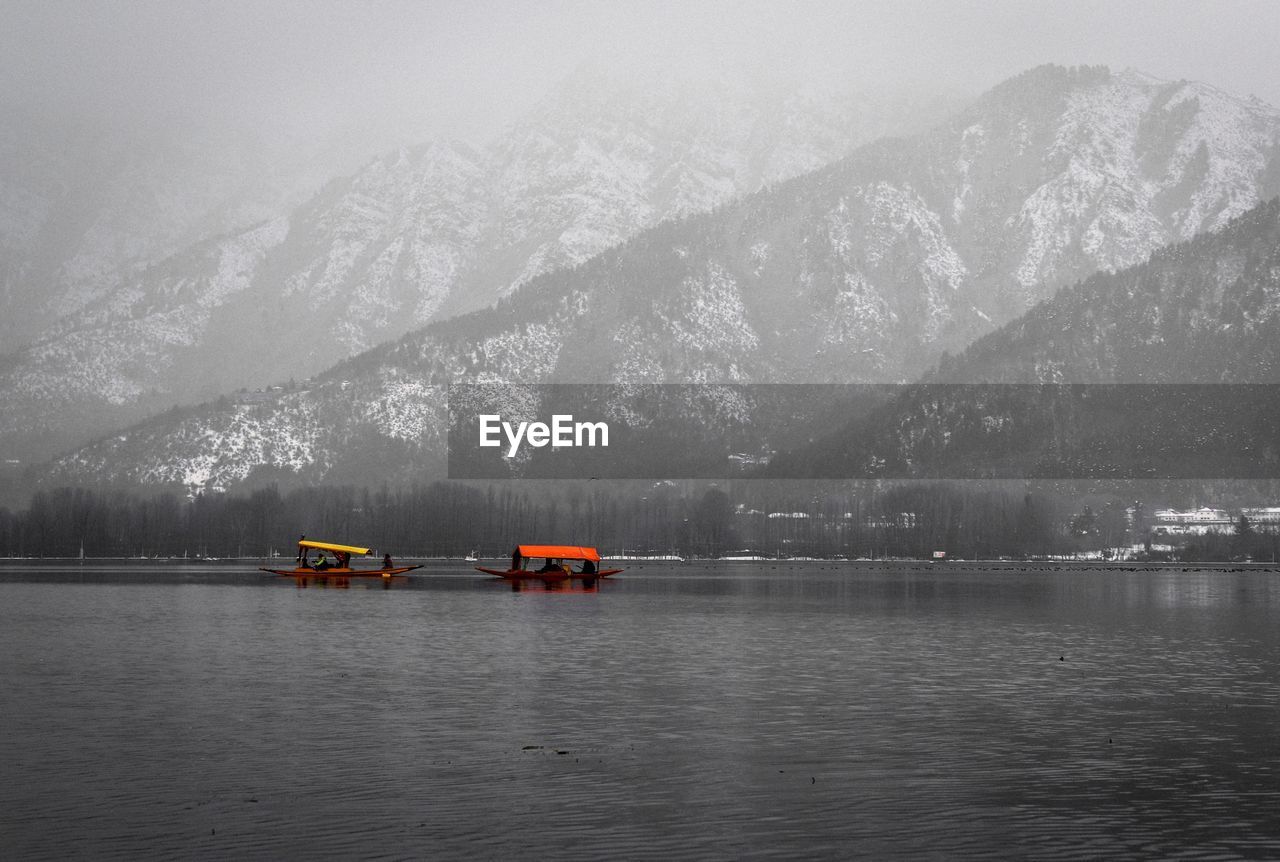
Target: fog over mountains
pixel 416 235
pixel 86 205
pixel 865 270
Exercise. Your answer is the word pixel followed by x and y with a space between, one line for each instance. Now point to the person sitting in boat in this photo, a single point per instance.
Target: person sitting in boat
pixel 344 559
pixel 386 562
pixel 588 567
pixel 322 563
pixel 551 566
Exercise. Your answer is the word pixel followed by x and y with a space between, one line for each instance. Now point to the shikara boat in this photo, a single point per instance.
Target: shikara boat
pixel 558 565
pixel 343 554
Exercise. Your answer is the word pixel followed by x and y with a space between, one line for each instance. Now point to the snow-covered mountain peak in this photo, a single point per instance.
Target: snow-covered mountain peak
pixel 1110 166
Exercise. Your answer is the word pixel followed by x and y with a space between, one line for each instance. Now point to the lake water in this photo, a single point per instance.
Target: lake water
pixel 730 711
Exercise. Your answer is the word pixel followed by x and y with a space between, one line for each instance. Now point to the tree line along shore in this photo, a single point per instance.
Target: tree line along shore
pixel 962 520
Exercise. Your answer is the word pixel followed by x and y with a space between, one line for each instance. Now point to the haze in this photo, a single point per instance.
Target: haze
pixel 377 74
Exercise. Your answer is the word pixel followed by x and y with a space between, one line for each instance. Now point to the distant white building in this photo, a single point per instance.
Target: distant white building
pixel 1170 522
pixel 1263 518
pixel 896 520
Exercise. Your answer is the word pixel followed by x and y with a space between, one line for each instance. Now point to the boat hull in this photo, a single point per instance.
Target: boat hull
pixel 522 575
pixel 341 573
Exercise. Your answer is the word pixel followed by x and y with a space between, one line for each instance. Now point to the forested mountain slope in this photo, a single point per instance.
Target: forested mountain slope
pixel 1190 339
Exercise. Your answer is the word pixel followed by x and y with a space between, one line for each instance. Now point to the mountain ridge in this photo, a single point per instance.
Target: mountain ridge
pixel 865 270
pixel 1195 315
pixel 418 233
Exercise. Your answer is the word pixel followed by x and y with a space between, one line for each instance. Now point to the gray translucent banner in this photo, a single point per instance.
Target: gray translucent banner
pixel 864 431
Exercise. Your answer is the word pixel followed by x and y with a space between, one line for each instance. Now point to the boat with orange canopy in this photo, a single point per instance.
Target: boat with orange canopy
pixel 342 567
pixel 559 563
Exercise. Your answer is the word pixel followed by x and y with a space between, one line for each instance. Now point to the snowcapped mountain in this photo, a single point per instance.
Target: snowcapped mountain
pixel 417 235
pixel 866 270
pixel 609 153
pixel 1206 310
pixel 1203 311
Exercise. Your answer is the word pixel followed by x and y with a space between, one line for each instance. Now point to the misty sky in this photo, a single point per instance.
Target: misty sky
pixel 388 70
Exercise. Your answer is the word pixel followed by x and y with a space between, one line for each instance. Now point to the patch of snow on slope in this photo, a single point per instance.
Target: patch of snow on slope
pixel 899 214
pixel 1239 135
pixel 434 269
pixel 205 452
pixel 861 317
pixel 972 142
pixel 407 409
pixel 759 256
pixel 238 261
pixel 226 455
pixel 361 218
pixel 526 355
pixel 712 322
pixel 1098 186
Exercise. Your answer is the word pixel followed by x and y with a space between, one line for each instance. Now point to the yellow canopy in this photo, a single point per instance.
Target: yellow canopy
pixel 329 546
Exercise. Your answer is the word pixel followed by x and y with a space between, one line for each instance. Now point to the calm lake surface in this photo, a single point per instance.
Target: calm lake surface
pixel 680 711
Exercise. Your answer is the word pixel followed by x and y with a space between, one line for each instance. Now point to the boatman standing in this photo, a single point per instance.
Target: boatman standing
pixel 515 559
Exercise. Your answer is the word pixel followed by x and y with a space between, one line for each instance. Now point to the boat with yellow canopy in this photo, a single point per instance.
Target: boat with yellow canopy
pixel 341 566
pixel 558 563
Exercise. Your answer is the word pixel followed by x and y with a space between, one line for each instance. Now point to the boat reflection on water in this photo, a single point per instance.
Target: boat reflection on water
pixel 345 582
pixel 555 585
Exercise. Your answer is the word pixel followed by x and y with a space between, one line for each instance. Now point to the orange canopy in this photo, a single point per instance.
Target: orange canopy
pixel 560 552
